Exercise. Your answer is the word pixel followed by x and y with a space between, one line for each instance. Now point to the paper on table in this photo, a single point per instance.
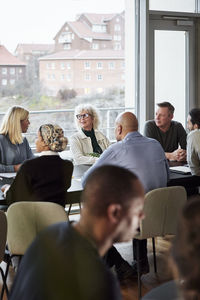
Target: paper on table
pixel 181 169
pixel 8 175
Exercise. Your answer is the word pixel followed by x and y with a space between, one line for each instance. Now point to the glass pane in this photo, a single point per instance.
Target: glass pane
pixel 173 5
pixel 170 70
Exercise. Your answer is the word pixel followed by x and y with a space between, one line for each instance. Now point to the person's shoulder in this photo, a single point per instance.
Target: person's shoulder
pixel 194 134
pixel 78 135
pixel 150 123
pixel 176 124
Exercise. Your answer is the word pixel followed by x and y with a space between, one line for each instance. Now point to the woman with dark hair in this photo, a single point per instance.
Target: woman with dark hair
pixel 47 177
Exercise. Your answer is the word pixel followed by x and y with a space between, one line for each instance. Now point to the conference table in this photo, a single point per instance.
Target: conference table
pixel 190 182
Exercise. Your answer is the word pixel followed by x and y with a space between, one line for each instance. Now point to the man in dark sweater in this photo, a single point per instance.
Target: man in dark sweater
pixel 170 134
pixel 65 261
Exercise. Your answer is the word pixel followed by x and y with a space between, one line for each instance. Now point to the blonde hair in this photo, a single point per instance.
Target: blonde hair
pixel 53 137
pixel 90 109
pixel 11 123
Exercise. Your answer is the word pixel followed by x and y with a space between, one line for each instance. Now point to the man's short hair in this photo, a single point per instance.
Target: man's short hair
pixel 108 185
pixel 168 105
pixel 195 116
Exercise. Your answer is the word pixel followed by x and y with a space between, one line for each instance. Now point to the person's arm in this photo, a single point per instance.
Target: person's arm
pixel 79 157
pixel 106 158
pixel 19 189
pixel 182 137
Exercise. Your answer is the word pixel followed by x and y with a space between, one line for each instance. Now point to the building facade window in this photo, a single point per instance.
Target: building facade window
pixel 99 65
pixel 4 71
pixel 52 66
pixel 69 77
pixel 87 65
pixel 53 76
pixel 117 37
pixel 20 70
pixel 68 66
pixel 48 66
pixel 111 65
pixel 95 46
pixel 99 77
pixel 117 46
pixel 62 77
pixel 12 81
pixel 62 66
pixel 87 76
pixel 117 27
pixel 12 71
pixel 66 46
pixel 4 82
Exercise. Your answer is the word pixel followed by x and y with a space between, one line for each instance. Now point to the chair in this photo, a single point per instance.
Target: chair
pixel 161 210
pixel 26 220
pixel 3 236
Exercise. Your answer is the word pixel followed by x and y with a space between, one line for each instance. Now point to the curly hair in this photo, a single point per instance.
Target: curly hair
pixel 11 123
pixel 186 249
pixel 53 136
pixel 90 109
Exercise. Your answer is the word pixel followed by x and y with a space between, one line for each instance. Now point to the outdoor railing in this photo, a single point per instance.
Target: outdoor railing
pixel 65 118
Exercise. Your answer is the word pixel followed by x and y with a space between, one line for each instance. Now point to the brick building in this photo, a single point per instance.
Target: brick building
pixel 92 31
pixel 26 52
pixel 11 68
pixel 85 71
pixel 88 55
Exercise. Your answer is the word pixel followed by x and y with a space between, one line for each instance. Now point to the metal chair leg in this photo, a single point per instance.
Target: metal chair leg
pixel 154 255
pixel 4 287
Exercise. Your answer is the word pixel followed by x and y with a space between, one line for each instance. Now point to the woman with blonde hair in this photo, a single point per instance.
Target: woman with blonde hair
pixel 47 177
pixel 14 148
pixel 88 143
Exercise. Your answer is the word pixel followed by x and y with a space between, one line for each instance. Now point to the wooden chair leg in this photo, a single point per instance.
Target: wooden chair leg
pixel 154 255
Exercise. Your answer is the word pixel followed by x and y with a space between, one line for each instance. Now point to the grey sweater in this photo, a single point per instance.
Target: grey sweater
pixel 13 154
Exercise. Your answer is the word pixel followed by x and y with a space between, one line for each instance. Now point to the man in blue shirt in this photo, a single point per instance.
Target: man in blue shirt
pixel 140 155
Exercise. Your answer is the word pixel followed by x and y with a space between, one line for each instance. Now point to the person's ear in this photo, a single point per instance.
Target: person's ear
pixel 195 126
pixel 114 213
pixel 119 129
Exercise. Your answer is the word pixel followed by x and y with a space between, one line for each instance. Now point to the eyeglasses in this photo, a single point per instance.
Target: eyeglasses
pixel 83 116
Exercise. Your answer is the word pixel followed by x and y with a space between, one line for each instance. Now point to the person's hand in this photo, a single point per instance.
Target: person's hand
pixel 181 155
pixel 177 155
pixel 5 188
pixel 16 167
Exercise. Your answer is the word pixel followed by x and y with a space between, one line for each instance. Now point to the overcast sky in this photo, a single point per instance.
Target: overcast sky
pixel 38 21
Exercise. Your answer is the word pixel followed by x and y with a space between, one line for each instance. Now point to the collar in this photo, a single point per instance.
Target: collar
pixel 49 152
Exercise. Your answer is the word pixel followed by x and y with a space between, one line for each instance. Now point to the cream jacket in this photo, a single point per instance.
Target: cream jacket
pixel 81 146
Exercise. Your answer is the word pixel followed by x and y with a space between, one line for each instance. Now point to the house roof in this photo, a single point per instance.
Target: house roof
pixel 85 54
pixel 84 31
pixel 28 48
pixel 7 59
pixel 98 18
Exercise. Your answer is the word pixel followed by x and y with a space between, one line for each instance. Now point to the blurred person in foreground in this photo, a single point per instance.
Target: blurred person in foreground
pixel 14 148
pixel 46 177
pixel 65 261
pixel 88 143
pixel 185 259
pixel 170 134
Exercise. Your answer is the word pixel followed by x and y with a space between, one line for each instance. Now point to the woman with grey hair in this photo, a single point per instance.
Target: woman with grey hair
pixel 14 148
pixel 88 143
pixel 47 177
